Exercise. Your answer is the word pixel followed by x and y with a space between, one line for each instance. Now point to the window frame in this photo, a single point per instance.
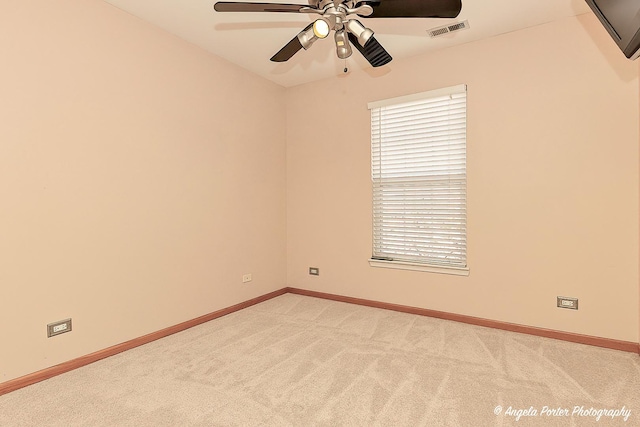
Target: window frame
pixel 408 264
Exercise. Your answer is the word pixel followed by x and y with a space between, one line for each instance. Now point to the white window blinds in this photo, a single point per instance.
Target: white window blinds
pixel 418 168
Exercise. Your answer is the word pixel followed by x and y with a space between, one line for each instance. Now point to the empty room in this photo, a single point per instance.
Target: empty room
pixel 329 213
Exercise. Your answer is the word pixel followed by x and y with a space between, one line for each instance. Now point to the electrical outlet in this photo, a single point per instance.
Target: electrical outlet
pixel 57 328
pixel 314 271
pixel 567 302
pixel 246 278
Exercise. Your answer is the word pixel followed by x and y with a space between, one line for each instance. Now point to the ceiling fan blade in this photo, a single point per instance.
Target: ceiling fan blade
pixel 232 6
pixel 372 51
pixel 290 48
pixel 413 8
pixel 287 51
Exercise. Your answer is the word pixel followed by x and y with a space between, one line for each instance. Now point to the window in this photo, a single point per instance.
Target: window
pixel 418 168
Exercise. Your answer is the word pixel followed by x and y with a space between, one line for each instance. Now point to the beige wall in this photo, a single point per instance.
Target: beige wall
pixel 552 181
pixel 140 177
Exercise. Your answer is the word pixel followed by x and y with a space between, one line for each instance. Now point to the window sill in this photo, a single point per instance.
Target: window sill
pixel 400 265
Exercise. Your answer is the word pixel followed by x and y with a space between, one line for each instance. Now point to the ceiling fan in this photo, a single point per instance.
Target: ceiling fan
pixel 333 15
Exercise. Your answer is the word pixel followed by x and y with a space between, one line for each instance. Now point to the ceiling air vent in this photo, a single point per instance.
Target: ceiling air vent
pixel 446 29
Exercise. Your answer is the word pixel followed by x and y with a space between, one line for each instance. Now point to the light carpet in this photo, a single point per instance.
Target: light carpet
pixel 302 361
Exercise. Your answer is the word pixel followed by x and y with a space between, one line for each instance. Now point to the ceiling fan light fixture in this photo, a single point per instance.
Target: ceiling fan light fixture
pixel 321 28
pixel 356 28
pixel 343 48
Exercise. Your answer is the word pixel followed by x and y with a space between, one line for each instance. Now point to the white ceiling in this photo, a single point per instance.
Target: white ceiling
pixel 250 39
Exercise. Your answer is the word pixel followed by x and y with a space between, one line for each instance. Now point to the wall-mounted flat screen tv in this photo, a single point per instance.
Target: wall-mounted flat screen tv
pixel 621 18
